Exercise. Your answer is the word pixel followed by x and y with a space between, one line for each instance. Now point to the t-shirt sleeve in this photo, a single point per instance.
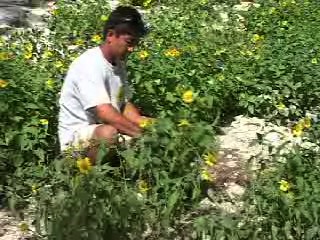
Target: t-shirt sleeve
pixel 91 86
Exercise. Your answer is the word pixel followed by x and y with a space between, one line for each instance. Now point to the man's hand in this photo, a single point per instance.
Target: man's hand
pixel 109 115
pixel 132 113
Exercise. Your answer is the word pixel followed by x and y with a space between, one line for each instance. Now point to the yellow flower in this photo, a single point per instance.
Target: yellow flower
pixel 34 189
pixel 307 122
pixel 281 106
pixel 24 227
pixel 50 83
pixel 47 54
pixel 297 130
pixel 4 56
pixel 3 83
pixel 79 42
pixel 284 186
pixel 210 159
pixel 29 47
pixel 143 186
pixel 58 64
pixel 220 77
pixel 172 53
pixel 257 38
pixel 146 122
pixel 55 12
pixel 103 18
pixel 27 55
pixel 84 165
pixel 314 60
pixel 184 123
pixel 187 96
pixel 206 175
pixel 143 55
pixel 146 3
pixel 96 38
pixel 44 121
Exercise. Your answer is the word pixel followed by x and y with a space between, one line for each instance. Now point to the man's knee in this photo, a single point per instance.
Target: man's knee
pixel 105 132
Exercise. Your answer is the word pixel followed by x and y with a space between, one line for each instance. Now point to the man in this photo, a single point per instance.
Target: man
pixel 94 102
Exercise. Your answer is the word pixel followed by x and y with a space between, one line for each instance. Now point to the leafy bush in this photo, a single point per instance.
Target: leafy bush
pixel 277 65
pixel 183 53
pixel 158 181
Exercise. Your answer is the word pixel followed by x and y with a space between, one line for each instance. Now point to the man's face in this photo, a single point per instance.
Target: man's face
pixel 122 45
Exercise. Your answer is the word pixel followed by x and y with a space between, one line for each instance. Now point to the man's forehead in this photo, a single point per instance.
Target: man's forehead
pixel 129 36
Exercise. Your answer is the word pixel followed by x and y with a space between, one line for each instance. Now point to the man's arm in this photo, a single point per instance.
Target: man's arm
pixel 109 115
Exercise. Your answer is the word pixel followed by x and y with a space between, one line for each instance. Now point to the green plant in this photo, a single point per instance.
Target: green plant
pixel 156 182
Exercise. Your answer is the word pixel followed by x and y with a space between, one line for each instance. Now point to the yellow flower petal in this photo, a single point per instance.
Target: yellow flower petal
pixel 4 56
pixel 3 83
pixel 97 38
pixel 184 123
pixel 58 64
pixel 221 77
pixel 143 55
pixel 29 47
pixel 143 186
pixel 55 12
pixel 172 53
pixel 210 159
pixel 34 189
pixel 44 121
pixel 84 165
pixel 257 38
pixel 284 185
pixel 47 54
pixel 297 130
pixel 281 106
pixel 104 18
pixel 187 96
pixel 146 3
pixel 206 175
pixel 50 83
pixel 146 122
pixel 79 42
pixel 27 55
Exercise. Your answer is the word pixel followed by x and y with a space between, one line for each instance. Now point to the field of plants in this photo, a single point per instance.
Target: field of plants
pixel 202 63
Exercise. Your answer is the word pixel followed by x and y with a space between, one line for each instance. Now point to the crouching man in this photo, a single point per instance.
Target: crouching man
pixel 94 101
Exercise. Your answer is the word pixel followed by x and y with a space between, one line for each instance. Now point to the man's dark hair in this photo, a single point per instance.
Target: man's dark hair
pixel 125 20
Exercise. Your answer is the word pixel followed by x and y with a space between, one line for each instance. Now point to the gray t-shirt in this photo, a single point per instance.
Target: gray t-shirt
pixel 91 80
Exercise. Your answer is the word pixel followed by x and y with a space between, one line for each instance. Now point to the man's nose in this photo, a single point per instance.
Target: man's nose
pixel 130 49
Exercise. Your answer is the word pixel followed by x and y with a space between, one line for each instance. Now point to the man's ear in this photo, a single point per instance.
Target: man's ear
pixel 109 35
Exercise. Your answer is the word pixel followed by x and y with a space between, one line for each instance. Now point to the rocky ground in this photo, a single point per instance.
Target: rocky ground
pixel 241 149
pixel 22 14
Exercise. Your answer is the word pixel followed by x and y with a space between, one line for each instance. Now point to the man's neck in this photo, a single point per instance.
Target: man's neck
pixel 107 53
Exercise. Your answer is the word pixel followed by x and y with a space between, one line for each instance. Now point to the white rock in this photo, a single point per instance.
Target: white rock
pixel 235 190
